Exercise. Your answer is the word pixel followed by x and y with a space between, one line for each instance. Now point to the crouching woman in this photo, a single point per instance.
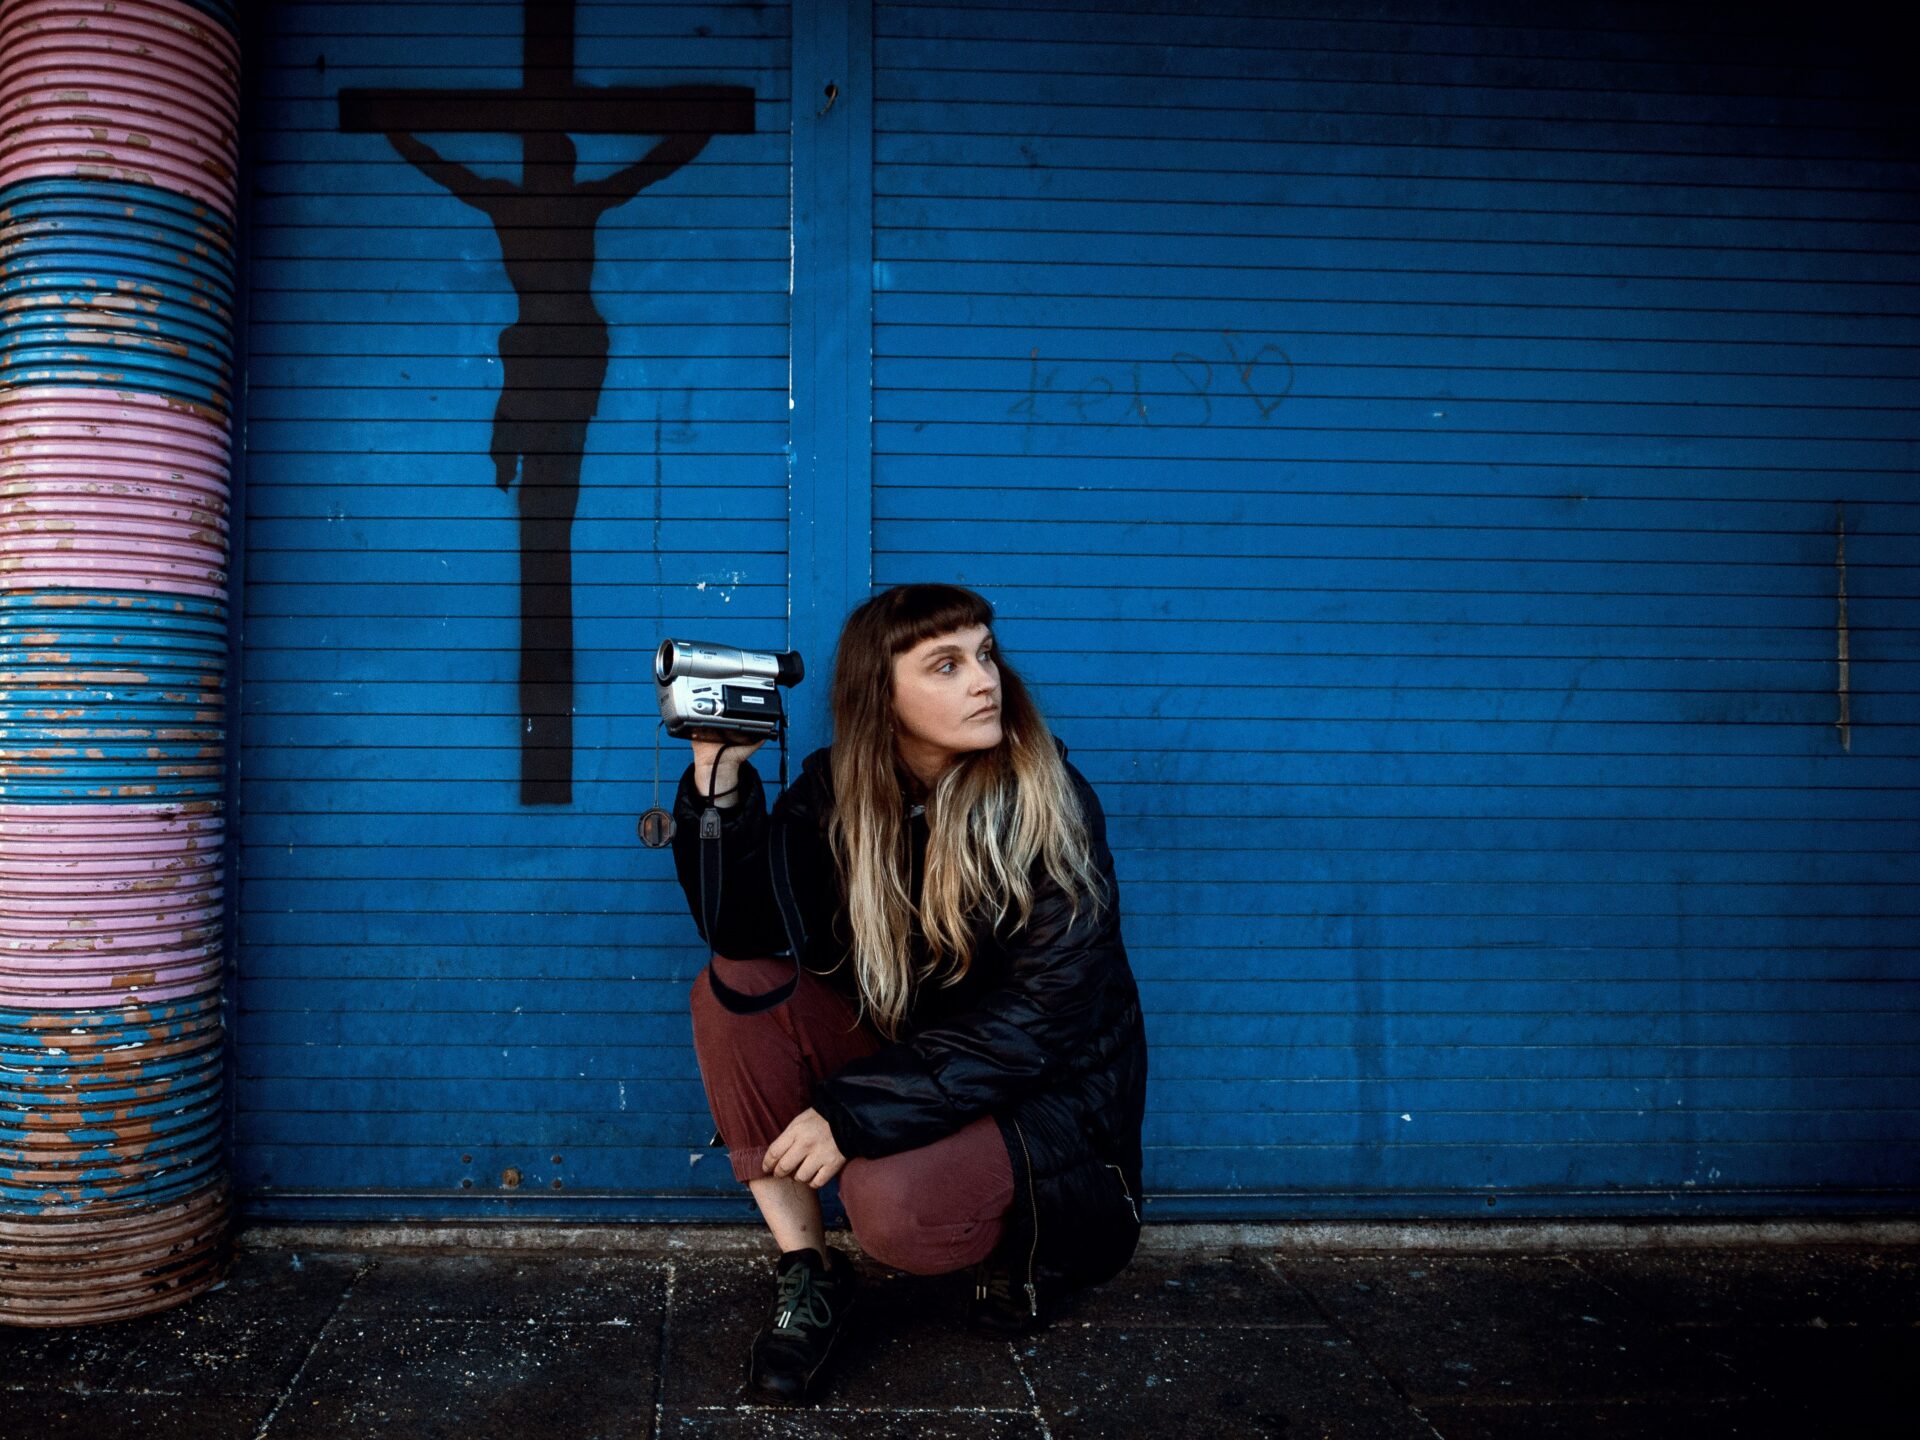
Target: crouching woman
pixel 963 1044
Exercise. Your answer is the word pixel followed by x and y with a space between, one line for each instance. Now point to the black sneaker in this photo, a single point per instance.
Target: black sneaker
pixel 809 1312
pixel 1001 1302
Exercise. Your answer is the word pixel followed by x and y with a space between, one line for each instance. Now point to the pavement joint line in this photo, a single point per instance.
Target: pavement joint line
pixel 1279 1272
pixel 529 1322
pixel 662 1240
pixel 1039 1416
pixel 266 1422
pixel 1624 1402
pixel 747 1408
pixel 660 1358
pixel 80 1387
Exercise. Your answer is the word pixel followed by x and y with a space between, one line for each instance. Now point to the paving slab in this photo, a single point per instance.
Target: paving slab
pixel 1218 1340
pixel 907 1343
pixel 1836 1381
pixel 250 1336
pixel 117 1415
pixel 1707 1420
pixel 1766 1287
pixel 1241 1287
pixel 82 1358
pixel 830 1423
pixel 474 1380
pixel 1212 1384
pixel 510 1285
pixel 1457 1326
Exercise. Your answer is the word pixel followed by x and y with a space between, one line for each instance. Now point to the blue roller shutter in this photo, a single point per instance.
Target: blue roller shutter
pixel 1413 448
pixel 1448 477
pixel 449 997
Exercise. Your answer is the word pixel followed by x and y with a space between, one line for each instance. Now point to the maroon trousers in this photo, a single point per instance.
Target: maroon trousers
pixel 926 1211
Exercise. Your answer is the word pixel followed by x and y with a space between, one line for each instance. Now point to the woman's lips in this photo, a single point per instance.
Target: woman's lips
pixel 982 714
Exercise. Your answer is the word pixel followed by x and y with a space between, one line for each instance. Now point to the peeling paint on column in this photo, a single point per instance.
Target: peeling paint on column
pixel 117 180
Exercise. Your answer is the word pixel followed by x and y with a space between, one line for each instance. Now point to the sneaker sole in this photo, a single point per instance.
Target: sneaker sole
pixel 819 1366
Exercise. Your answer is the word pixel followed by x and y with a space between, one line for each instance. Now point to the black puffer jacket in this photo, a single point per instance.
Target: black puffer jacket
pixel 1045 1033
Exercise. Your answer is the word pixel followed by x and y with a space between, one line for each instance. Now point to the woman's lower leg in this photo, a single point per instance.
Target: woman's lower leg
pixel 792 1212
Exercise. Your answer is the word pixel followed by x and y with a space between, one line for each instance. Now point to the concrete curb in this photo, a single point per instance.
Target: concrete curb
pixel 1161 1239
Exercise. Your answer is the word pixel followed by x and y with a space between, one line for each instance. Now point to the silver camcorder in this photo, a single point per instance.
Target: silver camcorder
pixel 720 689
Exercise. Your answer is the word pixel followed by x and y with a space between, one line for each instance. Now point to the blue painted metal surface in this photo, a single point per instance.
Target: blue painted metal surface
pixel 376 303
pixel 115 285
pixel 1411 460
pixel 75 1144
pixel 108 697
pixel 830 450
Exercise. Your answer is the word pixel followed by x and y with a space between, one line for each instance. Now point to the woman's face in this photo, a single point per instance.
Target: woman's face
pixel 946 700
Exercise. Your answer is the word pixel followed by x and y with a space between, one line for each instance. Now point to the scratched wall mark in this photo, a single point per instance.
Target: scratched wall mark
pixel 725 584
pixel 1253 371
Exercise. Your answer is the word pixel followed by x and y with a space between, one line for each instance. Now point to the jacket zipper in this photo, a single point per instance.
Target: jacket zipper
pixel 1123 1189
pixel 1033 1204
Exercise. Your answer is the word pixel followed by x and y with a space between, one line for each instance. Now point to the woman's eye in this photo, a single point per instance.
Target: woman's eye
pixel 986 657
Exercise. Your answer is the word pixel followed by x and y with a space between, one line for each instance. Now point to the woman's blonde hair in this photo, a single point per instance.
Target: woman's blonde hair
pixel 989 817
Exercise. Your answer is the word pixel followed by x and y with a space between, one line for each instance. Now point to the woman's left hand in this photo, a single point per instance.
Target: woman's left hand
pixel 805 1151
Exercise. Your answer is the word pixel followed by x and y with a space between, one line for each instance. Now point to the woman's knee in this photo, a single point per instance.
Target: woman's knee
pixel 883 1207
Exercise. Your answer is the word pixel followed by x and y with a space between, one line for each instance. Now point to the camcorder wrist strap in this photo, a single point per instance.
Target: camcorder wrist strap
pixel 739 1001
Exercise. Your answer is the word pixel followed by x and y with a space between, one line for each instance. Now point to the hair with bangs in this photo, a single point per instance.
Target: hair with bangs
pixel 991 816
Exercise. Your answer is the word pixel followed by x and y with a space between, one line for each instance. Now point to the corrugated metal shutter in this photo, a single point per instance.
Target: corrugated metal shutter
pixel 1411 449
pixel 439 984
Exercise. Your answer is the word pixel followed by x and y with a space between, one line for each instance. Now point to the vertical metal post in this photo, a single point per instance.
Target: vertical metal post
pixel 117 205
pixel 830 386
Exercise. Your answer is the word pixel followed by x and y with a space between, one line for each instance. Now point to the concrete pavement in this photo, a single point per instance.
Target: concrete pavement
pixel 1213 1332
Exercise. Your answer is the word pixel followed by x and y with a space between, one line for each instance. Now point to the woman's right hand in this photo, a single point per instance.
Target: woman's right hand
pixel 707 748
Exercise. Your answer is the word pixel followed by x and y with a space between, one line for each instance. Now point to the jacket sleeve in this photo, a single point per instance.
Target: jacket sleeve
pixel 1019 1039
pixel 746 919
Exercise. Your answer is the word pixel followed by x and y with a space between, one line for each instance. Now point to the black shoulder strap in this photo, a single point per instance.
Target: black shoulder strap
pixel 738 1001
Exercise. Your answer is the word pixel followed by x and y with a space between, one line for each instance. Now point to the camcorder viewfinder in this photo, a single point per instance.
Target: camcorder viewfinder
pixel 722 691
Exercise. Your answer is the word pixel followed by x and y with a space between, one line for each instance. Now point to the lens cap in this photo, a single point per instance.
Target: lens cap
pixel 656 828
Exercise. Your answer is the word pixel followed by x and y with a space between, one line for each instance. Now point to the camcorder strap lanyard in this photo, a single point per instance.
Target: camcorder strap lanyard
pixel 739 1001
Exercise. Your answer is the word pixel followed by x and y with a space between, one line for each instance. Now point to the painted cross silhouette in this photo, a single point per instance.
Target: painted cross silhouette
pixel 554 355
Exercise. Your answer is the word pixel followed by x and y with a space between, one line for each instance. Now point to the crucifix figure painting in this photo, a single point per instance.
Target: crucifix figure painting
pixel 553 357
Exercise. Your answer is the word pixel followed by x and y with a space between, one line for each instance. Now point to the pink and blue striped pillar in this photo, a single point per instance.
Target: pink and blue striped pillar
pixel 118 127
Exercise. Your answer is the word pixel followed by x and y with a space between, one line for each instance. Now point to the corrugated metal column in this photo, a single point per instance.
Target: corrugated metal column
pixel 117 153
pixel 830 394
